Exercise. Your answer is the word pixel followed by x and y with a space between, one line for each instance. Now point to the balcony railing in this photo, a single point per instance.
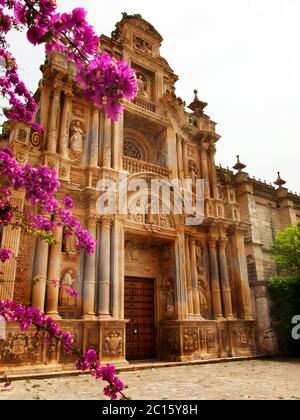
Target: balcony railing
pixel 134 166
pixel 142 103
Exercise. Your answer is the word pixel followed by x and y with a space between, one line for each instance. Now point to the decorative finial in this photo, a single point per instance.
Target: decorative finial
pixel 239 166
pixel 197 106
pixel 279 181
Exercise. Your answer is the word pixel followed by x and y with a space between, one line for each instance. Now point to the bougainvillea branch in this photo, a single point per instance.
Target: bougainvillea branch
pixel 103 79
pixel 86 362
pixel 40 185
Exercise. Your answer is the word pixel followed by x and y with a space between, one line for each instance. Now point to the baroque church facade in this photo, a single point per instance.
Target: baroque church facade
pixel 156 288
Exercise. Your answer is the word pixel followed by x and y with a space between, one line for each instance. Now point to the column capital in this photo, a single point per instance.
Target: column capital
pixel 212 242
pixel 57 89
pixel 201 242
pixel 179 138
pixel 68 96
pixel 92 221
pixel 223 242
pixel 193 238
pixel 106 221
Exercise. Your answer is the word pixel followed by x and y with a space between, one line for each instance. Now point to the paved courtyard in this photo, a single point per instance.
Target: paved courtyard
pixel 257 379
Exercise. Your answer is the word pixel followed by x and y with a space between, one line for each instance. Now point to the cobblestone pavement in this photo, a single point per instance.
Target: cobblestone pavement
pixel 257 379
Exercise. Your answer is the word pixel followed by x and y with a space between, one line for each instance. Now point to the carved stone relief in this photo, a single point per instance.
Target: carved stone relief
pixel 20 348
pixel 113 344
pixel 190 340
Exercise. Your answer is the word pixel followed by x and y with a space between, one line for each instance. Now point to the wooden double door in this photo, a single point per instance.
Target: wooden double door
pixel 139 309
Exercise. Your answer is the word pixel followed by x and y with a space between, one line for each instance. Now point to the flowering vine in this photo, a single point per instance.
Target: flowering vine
pixel 103 79
pixel 86 362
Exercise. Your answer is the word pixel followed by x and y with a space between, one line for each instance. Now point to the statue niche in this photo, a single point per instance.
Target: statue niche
pixel 66 297
pixel 76 136
pixel 143 86
pixel 169 292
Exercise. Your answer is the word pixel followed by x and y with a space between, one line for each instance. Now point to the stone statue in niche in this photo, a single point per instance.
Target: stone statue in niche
pixel 169 292
pixel 142 85
pixel 65 297
pixel 193 171
pixel 77 136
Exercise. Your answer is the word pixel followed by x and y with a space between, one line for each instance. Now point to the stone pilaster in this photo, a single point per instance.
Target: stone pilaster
pixel 54 264
pixel 225 284
pixel 195 286
pixel 94 149
pixel 89 277
pixel 53 128
pixel 38 291
pixel 64 132
pixel 214 278
pixel 104 268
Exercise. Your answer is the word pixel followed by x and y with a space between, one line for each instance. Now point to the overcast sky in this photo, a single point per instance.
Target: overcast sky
pixel 243 56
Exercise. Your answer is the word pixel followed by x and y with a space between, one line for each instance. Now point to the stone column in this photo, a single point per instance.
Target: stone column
pixel 40 266
pixel 185 159
pixel 116 249
pixel 53 129
pixel 195 286
pixel 107 143
pixel 214 278
pixel 104 271
pixel 240 274
pixel 89 276
pixel 225 285
pixel 214 179
pixel 122 273
pixel 118 143
pixel 189 276
pixel 204 167
pixel 45 99
pixel 94 150
pixel 54 264
pixel 64 132
pixel 180 158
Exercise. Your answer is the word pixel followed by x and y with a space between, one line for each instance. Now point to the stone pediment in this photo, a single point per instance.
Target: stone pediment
pixel 140 23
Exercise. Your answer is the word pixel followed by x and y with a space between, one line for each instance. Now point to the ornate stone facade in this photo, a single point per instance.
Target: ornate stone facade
pixel 205 286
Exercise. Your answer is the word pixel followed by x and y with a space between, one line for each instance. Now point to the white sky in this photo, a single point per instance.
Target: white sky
pixel 243 56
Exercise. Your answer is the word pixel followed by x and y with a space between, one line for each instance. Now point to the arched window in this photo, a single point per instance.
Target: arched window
pixel 133 150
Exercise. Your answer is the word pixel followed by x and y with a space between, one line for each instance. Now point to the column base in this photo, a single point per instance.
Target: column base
pixel 54 316
pixel 104 317
pixel 89 317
